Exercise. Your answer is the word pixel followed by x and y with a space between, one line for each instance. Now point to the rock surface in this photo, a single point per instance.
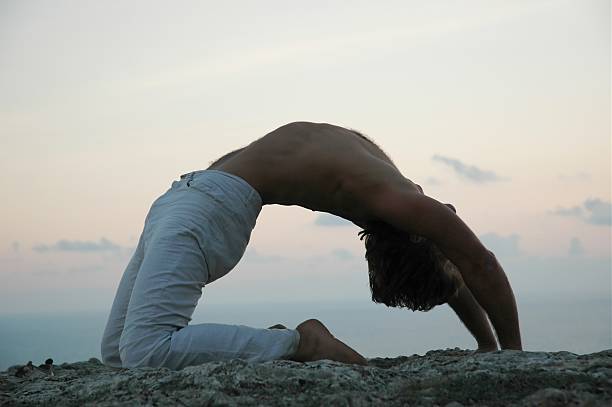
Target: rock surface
pixel 449 378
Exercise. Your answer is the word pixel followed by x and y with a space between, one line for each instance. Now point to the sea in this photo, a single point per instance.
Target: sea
pixel 578 326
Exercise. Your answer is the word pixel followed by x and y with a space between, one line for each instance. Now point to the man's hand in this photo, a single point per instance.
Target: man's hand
pixel 486 348
pixel 474 318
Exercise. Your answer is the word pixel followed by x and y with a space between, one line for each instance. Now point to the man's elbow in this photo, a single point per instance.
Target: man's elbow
pixel 482 273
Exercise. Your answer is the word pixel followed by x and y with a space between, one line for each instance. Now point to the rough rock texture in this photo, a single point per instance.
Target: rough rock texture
pixel 446 378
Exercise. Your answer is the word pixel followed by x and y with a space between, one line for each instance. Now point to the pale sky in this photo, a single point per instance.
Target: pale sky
pixel 499 107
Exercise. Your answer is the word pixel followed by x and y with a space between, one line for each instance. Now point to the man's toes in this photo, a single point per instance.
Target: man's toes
pixel 349 355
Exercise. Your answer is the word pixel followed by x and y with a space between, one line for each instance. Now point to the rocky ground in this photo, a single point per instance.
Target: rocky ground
pixel 445 378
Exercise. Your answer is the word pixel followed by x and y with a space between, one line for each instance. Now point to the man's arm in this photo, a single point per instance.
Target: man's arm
pixel 407 209
pixel 474 318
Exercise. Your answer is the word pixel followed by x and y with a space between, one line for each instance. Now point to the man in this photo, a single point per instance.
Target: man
pixel 420 254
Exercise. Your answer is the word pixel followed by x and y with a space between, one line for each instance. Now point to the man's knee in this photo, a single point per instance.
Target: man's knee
pixel 131 356
pixel 143 349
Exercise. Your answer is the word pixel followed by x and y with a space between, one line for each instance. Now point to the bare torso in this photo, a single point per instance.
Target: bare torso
pixel 317 166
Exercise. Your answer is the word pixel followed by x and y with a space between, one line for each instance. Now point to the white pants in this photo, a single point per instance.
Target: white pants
pixel 193 234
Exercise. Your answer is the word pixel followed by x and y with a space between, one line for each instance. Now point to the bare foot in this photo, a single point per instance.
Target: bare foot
pixel 316 343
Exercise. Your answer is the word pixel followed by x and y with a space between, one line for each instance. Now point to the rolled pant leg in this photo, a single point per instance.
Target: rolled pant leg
pixel 201 343
pixel 165 293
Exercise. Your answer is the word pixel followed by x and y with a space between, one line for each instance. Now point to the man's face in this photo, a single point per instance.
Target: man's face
pixel 449 267
pixel 452 271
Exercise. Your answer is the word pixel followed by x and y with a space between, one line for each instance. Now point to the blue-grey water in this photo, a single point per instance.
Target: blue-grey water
pixel 579 326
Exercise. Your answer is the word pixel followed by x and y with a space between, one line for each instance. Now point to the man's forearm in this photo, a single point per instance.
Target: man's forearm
pixel 473 317
pixel 495 296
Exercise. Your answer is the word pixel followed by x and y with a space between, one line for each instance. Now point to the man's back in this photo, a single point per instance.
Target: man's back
pixel 317 166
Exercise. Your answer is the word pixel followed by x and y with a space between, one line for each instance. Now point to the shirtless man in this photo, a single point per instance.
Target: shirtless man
pixel 419 252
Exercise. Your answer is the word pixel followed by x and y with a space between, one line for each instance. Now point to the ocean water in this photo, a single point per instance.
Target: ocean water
pixel 579 326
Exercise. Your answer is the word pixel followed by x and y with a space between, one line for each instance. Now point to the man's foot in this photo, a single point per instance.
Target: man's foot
pixel 316 343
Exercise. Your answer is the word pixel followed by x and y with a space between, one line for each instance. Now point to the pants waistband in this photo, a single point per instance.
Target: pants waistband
pixel 251 193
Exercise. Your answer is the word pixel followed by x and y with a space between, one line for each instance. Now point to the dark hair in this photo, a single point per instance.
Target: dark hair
pixel 406 270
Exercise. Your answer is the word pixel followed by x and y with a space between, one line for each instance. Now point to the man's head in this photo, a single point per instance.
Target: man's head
pixel 407 270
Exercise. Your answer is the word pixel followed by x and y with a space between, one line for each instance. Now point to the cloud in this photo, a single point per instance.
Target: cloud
pixel 502 246
pixel 573 211
pixel 78 246
pixel 600 212
pixel 469 172
pixel 326 219
pixel 579 176
pixel 593 211
pixel 576 248
pixel 254 256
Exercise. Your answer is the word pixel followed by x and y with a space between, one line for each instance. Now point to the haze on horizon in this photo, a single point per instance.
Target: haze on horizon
pixel 499 107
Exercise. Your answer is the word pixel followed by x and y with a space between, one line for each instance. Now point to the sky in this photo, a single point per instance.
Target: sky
pixel 499 107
